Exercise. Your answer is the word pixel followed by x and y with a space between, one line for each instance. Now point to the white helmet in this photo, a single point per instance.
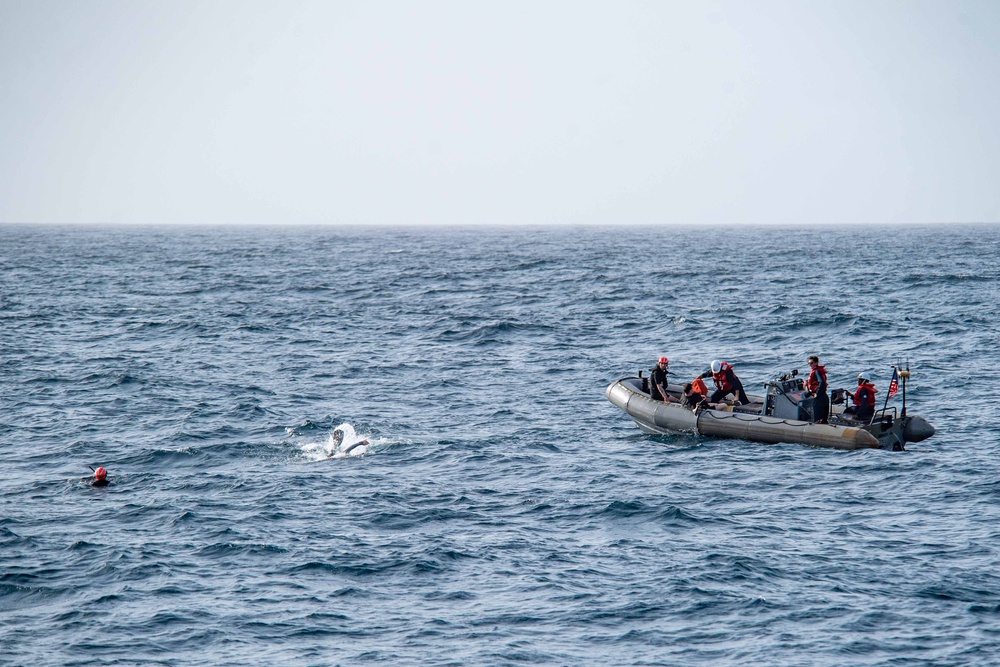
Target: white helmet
pixel 865 377
pixel 716 366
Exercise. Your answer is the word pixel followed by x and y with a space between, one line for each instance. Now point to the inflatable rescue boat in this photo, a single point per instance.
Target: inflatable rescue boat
pixel 783 414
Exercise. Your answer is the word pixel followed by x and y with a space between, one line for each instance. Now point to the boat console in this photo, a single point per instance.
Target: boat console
pixel 788 398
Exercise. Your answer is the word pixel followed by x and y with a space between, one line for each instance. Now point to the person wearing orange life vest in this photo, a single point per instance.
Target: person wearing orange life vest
pixel 816 383
pixel 694 393
pixel 726 382
pixel 864 399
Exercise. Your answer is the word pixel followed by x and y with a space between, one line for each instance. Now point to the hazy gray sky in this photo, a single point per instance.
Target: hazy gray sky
pixel 507 112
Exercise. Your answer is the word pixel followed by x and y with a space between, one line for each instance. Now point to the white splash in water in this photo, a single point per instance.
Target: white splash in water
pixel 342 442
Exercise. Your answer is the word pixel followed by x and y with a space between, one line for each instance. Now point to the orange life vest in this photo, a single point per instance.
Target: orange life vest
pixel 859 399
pixel 721 378
pixel 813 383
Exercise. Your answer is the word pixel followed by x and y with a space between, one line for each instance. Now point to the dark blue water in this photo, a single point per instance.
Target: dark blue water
pixel 505 513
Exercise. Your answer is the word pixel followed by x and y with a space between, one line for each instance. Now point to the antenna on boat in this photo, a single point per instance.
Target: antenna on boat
pixel 905 375
pixel 888 395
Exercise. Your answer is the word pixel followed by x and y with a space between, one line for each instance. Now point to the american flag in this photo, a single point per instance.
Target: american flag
pixel 894 385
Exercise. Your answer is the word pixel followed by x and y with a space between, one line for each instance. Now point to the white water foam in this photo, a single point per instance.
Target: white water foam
pixel 329 448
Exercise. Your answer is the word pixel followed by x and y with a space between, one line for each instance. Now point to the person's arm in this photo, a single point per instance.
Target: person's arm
pixel 663 391
pixel 663 388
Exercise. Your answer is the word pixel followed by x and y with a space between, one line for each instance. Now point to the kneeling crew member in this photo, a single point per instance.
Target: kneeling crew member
pixel 694 393
pixel 726 382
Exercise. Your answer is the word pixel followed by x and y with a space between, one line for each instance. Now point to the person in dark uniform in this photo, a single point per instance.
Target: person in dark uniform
pixel 658 381
pixel 100 477
pixel 816 383
pixel 864 399
pixel 726 382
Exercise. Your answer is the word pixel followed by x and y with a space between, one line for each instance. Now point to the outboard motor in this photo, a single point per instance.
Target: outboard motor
pixel 788 398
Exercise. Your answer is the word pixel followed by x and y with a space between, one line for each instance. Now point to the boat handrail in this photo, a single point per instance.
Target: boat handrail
pixel 882 412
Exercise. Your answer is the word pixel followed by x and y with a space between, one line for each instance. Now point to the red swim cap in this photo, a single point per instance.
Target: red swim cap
pixel 100 473
pixel 664 360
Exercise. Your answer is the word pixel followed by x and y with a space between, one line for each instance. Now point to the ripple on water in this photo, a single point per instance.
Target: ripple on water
pixel 504 512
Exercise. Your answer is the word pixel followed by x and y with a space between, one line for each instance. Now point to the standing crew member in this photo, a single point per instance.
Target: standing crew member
pixel 864 399
pixel 658 381
pixel 817 385
pixel 726 383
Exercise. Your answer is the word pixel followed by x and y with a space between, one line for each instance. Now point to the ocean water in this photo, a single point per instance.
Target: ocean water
pixel 503 512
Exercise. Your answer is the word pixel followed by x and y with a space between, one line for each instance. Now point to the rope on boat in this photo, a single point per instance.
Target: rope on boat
pixel 756 418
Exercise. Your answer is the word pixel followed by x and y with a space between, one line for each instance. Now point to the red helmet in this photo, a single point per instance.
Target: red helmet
pixel 664 360
pixel 100 473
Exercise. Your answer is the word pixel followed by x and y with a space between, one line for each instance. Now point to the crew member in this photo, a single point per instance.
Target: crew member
pixel 698 385
pixel 726 382
pixel 658 381
pixel 816 383
pixel 694 393
pixel 864 399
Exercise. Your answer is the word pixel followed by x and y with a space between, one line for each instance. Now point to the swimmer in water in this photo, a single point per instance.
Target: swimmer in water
pixel 338 440
pixel 100 477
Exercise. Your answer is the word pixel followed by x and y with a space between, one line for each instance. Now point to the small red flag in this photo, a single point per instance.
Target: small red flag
pixel 894 385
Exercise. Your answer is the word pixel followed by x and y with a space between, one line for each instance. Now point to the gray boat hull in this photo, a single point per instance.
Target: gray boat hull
pixel 657 417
